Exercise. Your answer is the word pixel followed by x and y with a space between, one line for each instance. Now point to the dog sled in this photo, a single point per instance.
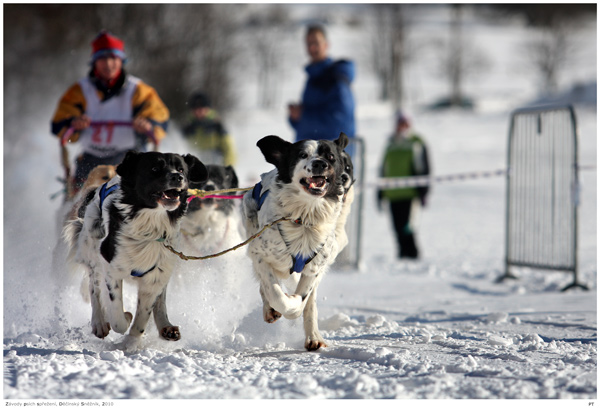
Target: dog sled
pixel 99 125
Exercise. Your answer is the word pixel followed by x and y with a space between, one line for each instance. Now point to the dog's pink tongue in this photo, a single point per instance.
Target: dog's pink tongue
pixel 170 194
pixel 316 182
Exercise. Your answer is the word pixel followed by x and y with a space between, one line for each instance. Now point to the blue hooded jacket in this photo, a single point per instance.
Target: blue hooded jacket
pixel 327 102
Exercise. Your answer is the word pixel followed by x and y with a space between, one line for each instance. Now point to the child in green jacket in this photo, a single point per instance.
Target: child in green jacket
pixel 405 155
pixel 207 135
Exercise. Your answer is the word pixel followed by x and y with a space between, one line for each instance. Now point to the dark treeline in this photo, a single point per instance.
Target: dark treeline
pixel 179 48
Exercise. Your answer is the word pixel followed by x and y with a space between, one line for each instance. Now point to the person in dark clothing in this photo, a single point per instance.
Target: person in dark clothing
pixel 327 106
pixel 406 155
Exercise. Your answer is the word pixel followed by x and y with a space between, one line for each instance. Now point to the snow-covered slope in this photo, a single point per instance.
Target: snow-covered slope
pixel 439 328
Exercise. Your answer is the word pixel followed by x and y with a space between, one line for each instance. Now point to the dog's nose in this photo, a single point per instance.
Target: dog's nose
pixel 319 166
pixel 177 177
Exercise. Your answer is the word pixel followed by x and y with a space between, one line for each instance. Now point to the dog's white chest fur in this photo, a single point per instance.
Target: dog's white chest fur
pixel 141 244
pixel 309 234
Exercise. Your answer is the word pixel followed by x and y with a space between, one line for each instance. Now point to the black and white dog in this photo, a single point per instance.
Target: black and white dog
pixel 307 187
pixel 347 199
pixel 211 223
pixel 119 236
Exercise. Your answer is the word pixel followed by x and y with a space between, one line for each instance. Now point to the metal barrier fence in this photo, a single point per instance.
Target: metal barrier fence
pixel 542 191
pixel 351 255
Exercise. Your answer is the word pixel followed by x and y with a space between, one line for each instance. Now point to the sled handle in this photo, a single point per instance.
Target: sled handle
pixel 67 135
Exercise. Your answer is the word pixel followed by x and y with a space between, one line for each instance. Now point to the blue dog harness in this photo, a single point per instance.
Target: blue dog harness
pixel 260 199
pixel 104 192
pixel 298 261
pixel 140 274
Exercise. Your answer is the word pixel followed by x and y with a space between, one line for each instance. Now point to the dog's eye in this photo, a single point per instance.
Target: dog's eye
pixel 155 169
pixel 330 157
pixel 303 155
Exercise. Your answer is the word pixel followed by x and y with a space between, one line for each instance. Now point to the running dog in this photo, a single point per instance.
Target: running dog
pixel 212 223
pixel 347 199
pixel 307 188
pixel 119 235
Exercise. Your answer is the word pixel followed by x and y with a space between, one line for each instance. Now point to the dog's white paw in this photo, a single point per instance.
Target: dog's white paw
pixel 121 322
pixel 293 307
pixel 130 344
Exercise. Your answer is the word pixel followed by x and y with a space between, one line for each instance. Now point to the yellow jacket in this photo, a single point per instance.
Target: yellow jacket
pixel 145 103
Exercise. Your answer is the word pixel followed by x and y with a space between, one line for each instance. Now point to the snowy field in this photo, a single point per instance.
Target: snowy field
pixel 436 329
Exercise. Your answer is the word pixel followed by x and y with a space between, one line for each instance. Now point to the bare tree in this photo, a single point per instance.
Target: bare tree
pixel 553 49
pixel 183 48
pixel 549 54
pixel 176 48
pixel 390 51
pixel 459 58
pixel 267 28
pixel 454 62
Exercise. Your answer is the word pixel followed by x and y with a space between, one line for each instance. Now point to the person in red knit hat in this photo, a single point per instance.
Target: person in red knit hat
pixel 106 94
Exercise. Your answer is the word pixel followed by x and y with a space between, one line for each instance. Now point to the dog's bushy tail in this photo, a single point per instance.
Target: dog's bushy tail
pixel 75 271
pixel 71 232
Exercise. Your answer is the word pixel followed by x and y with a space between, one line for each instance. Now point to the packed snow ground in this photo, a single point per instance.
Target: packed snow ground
pixel 437 328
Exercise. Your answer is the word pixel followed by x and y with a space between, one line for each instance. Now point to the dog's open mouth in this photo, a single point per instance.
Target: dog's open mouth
pixel 169 198
pixel 315 185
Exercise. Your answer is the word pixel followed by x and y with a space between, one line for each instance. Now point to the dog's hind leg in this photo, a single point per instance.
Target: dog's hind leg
pixel 313 340
pixel 166 330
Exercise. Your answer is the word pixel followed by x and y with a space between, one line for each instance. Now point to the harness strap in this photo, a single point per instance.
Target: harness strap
pixel 136 273
pixel 104 192
pixel 299 261
pixel 260 199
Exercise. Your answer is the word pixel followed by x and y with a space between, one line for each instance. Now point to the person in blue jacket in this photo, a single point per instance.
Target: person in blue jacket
pixel 327 107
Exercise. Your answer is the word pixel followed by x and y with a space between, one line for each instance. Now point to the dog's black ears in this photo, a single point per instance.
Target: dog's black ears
pixel 197 171
pixel 230 174
pixel 342 141
pixel 128 164
pixel 274 148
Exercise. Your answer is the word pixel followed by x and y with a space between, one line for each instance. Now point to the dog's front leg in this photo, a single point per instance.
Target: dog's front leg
pixel 147 297
pixel 275 297
pixel 305 287
pixel 270 315
pixel 119 319
pixel 166 330
pixel 100 327
pixel 313 340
